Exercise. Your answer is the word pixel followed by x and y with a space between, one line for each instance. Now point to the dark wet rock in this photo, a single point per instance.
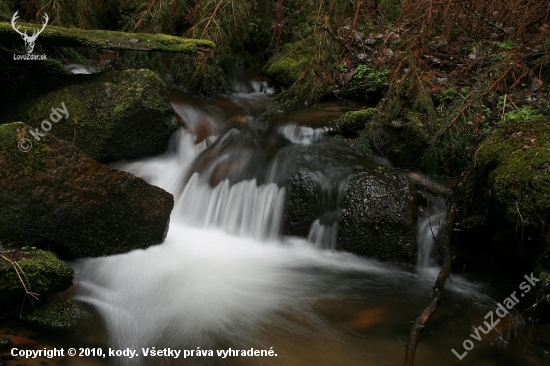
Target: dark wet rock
pixel 38 271
pixel 378 217
pixel 55 313
pixel 112 115
pixel 376 210
pixel 302 205
pixel 56 196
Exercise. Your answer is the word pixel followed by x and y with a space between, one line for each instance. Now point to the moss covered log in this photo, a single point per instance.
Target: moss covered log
pixel 103 39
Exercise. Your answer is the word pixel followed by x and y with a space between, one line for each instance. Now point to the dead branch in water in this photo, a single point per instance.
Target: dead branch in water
pixel 436 294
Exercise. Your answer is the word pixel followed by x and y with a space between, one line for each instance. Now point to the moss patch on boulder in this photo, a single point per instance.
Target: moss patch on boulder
pixel 55 313
pixel 42 272
pixel 404 141
pixel 114 115
pixel 352 122
pixel 512 173
pixel 287 67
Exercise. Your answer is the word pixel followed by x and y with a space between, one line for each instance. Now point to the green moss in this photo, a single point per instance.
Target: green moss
pixel 287 66
pixel 353 122
pixel 43 271
pixel 512 170
pixel 102 39
pixel 55 313
pixel 16 161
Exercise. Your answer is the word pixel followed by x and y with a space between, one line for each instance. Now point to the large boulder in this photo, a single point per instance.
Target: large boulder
pixel 56 196
pixel 505 197
pixel 112 115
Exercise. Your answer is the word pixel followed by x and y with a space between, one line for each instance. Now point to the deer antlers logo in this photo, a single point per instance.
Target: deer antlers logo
pixel 29 40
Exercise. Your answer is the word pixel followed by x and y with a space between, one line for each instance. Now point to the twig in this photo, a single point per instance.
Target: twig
pixel 485 20
pixel 467 105
pixel 210 20
pixel 358 7
pixel 436 294
pixel 339 40
pixel 18 271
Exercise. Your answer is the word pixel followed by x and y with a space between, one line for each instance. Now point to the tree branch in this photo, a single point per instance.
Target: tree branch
pixel 436 294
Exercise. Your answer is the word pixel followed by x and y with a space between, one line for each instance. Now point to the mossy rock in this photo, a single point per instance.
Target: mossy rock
pixel 42 272
pixel 55 313
pixel 110 116
pixel 352 122
pixel 287 66
pixel 512 173
pixel 403 141
pixel 57 197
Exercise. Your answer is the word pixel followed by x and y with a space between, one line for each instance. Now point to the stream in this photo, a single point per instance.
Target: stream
pixel 227 278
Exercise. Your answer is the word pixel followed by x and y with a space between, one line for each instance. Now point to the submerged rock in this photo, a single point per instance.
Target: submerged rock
pixel 38 271
pixel 302 204
pixel 56 196
pixel 112 115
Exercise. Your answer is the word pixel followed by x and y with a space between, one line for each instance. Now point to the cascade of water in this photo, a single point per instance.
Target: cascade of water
pixel 212 284
pixel 300 134
pixel 243 208
pixel 430 230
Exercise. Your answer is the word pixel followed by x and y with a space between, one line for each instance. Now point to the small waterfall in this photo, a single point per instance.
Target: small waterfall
pixel 301 135
pixel 242 209
pixel 430 229
pixel 323 236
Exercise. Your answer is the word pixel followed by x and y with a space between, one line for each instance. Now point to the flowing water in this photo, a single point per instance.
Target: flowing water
pixel 225 277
